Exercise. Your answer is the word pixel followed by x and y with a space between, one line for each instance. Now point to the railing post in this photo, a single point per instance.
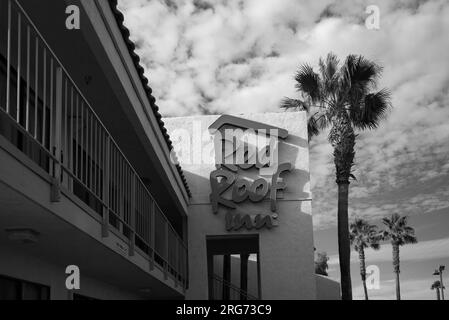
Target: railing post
pixel 8 60
pixel 132 235
pixel 152 233
pixel 185 267
pixel 166 252
pixel 177 263
pixel 106 173
pixel 183 274
pixel 56 183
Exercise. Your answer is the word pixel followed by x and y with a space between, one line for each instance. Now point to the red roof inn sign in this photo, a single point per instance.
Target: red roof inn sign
pixel 246 148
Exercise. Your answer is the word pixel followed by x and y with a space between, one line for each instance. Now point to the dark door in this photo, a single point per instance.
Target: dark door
pixel 233 267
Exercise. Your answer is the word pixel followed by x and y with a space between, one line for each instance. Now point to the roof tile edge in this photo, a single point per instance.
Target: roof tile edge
pixel 141 71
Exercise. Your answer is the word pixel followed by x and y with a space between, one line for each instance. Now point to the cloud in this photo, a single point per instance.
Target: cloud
pixel 206 56
pixel 396 164
pixel 424 250
pixel 417 263
pixel 410 290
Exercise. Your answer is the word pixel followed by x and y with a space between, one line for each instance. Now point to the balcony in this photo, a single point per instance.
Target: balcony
pixel 44 114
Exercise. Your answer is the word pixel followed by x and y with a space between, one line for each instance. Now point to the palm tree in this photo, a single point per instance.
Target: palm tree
pixel 321 265
pixel 436 286
pixel 398 233
pixel 341 97
pixel 362 236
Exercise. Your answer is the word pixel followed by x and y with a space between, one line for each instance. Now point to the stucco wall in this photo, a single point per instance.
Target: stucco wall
pixel 39 271
pixel 286 251
pixel 326 288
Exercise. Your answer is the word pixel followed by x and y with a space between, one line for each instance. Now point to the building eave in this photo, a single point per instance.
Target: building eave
pixel 247 124
pixel 119 17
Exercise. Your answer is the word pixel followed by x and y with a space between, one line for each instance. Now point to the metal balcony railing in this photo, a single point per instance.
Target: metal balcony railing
pixel 45 115
pixel 224 290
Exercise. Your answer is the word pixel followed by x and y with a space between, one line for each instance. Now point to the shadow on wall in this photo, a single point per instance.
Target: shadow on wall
pixel 285 260
pixel 297 180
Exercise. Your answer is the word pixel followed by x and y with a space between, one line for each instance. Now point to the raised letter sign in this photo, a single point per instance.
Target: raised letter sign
pixel 218 188
pixel 275 185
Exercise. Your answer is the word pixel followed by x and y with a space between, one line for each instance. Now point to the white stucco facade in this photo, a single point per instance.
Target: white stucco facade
pixel 286 250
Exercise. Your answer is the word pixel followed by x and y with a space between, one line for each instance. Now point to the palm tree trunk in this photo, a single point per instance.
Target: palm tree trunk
pixel 365 289
pixel 342 138
pixel 398 287
pixel 396 264
pixel 438 293
pixel 344 249
pixel 363 271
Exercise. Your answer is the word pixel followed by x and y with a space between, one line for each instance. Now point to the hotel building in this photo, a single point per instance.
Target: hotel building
pixel 89 177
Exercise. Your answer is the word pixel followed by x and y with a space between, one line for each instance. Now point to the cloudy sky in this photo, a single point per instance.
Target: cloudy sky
pixel 213 57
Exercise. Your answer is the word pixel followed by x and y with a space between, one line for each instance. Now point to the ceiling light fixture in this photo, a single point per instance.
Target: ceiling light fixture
pixel 22 235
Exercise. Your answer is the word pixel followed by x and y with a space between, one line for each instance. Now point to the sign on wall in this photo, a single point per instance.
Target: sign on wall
pixel 248 170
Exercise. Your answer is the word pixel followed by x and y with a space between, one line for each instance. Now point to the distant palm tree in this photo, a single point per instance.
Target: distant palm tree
pixel 436 286
pixel 362 236
pixel 398 233
pixel 321 265
pixel 341 97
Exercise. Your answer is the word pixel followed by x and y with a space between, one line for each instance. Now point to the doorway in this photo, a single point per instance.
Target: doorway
pixel 233 266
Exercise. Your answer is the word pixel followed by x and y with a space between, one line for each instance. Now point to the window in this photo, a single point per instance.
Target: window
pixel 15 289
